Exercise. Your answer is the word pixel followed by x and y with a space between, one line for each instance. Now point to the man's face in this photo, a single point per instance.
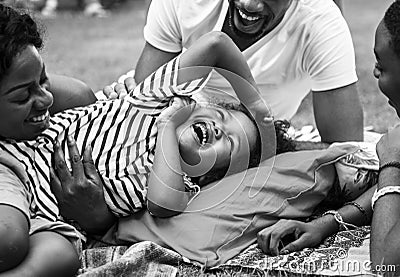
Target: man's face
pixel 387 67
pixel 253 17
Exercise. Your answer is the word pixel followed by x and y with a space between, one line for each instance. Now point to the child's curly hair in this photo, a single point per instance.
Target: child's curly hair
pixel 392 24
pixel 17 31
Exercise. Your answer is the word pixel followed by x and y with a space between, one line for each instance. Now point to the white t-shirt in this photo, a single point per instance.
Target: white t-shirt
pixel 311 48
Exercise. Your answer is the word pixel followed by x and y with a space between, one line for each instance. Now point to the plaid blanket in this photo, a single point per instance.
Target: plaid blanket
pixel 343 254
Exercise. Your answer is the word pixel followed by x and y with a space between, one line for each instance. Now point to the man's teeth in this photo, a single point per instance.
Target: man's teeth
pixel 40 117
pixel 247 17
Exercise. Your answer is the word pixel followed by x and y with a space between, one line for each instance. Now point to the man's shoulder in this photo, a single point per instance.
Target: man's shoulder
pixel 314 19
pixel 314 13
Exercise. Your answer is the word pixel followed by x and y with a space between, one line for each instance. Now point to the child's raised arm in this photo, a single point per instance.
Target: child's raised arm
pixel 216 49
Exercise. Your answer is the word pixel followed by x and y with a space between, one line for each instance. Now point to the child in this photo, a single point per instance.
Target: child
pixel 142 148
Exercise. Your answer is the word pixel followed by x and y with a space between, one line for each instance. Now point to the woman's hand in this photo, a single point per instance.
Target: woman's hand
pixel 287 236
pixel 80 193
pixel 179 110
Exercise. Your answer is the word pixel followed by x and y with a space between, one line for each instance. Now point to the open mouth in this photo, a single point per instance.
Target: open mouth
pixel 248 23
pixel 248 18
pixel 39 118
pixel 201 131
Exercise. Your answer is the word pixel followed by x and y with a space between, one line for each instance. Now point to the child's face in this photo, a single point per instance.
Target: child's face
pixel 387 67
pixel 24 98
pixel 214 137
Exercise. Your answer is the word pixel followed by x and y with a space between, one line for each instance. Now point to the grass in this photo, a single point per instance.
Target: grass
pixel 99 50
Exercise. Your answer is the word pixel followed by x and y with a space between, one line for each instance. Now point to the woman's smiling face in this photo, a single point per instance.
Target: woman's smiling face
pixel 24 97
pixel 387 67
pixel 258 16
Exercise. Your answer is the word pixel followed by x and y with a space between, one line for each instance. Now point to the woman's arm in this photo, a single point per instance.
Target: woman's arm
pixel 386 219
pixel 50 254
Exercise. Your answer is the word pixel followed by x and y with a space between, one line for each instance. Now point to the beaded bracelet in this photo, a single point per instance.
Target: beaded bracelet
pixel 339 219
pixel 360 208
pixel 382 192
pixel 389 164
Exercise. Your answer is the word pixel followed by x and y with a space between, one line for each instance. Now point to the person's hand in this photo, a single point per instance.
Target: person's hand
pixel 388 147
pixel 120 90
pixel 287 236
pixel 79 193
pixel 179 110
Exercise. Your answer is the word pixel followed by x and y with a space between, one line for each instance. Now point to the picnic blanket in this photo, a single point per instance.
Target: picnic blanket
pixel 343 254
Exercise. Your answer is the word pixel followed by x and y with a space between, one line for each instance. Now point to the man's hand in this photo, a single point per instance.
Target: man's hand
pixel 80 193
pixel 273 240
pixel 120 90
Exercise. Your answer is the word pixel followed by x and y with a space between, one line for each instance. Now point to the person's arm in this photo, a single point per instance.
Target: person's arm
pixel 215 49
pixel 50 254
pixel 69 93
pixel 310 234
pixel 150 60
pixel 338 114
pixel 166 188
pixel 385 223
pixel 41 254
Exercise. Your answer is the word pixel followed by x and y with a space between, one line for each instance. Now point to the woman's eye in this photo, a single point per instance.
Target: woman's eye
pixel 22 99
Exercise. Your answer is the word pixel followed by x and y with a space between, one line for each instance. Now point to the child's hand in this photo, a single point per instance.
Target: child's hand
pixel 179 110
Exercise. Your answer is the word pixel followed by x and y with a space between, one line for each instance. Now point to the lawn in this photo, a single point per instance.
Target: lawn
pixel 99 50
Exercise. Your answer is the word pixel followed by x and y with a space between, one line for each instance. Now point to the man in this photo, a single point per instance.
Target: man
pixel 292 47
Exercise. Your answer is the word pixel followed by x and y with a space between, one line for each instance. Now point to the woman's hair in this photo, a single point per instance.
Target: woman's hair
pixel 17 31
pixel 392 24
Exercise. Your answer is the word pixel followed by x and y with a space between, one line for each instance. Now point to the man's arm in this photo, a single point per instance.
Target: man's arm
pixel 150 60
pixel 338 114
pixel 69 93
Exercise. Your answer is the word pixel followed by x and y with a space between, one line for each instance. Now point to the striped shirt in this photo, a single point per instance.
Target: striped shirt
pixel 122 134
